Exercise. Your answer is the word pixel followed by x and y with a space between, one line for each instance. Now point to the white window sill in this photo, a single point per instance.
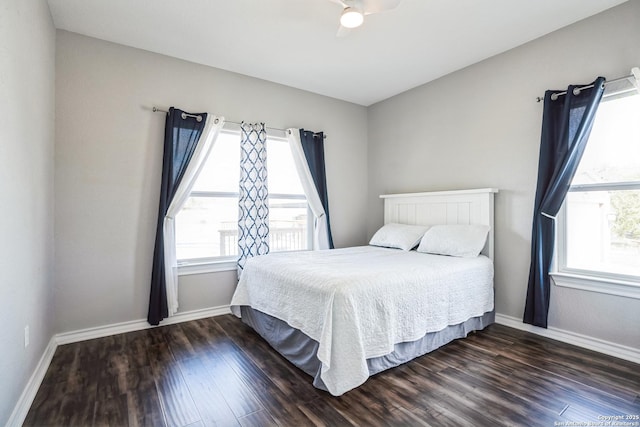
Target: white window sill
pixel 213 265
pixel 206 267
pixel 623 288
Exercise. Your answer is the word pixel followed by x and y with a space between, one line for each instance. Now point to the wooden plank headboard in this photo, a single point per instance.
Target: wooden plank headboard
pixel 444 207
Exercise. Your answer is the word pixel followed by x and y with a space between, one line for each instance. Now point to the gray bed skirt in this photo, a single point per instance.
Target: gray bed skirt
pixel 301 350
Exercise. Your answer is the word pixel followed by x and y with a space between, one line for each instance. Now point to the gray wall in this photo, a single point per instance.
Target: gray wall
pixel 480 127
pixel 108 163
pixel 27 73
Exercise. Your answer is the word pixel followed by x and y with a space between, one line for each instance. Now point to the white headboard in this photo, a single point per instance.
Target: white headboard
pixel 444 207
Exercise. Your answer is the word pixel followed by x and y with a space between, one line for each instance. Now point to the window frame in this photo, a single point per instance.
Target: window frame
pixel 591 280
pixel 192 266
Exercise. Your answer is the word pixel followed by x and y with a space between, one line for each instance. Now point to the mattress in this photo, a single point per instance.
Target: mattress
pixel 359 303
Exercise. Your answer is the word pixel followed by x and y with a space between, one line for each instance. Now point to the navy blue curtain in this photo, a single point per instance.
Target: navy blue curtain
pixel 566 125
pixel 181 134
pixel 313 147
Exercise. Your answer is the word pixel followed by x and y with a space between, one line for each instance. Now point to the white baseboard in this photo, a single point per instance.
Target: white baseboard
pixel 26 399
pixel 137 325
pixel 29 393
pixel 612 349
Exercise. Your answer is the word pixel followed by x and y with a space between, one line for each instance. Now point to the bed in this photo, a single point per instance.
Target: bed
pixel 343 315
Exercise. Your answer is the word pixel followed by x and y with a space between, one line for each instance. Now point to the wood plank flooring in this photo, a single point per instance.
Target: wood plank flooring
pixel 218 372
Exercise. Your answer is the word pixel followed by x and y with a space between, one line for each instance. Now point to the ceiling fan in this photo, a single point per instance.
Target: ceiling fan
pixel 354 11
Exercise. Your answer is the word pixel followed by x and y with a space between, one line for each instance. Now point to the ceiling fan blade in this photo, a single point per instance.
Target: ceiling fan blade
pixel 376 6
pixel 343 31
pixel 340 2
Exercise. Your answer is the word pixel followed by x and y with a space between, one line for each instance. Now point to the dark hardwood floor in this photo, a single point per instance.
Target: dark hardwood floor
pixel 217 371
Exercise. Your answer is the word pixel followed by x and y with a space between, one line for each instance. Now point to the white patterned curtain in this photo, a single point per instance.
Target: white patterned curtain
pixel 253 220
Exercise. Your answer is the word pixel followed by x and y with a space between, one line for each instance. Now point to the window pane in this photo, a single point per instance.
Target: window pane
pixel 613 150
pixel 288 224
pixel 207 227
pixel 603 231
pixel 281 169
pixel 221 172
pixel 288 217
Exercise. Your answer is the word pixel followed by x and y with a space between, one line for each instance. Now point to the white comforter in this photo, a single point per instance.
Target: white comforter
pixel 357 303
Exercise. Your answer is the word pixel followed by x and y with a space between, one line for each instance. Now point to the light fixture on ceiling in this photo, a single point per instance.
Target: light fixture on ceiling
pixel 351 17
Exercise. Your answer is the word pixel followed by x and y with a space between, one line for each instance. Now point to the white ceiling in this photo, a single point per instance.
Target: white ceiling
pixel 293 42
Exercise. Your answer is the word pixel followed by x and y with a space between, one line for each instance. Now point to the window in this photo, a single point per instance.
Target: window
pixel 598 236
pixel 207 226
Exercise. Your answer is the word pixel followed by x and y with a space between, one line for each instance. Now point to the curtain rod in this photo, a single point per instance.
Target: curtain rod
pixel 199 119
pixel 184 115
pixel 635 73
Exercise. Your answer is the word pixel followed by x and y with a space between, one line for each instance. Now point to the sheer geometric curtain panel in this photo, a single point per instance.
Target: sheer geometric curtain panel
pixel 253 213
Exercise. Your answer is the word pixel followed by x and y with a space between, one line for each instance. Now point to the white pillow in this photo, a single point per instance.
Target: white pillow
pixel 401 236
pixel 455 240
